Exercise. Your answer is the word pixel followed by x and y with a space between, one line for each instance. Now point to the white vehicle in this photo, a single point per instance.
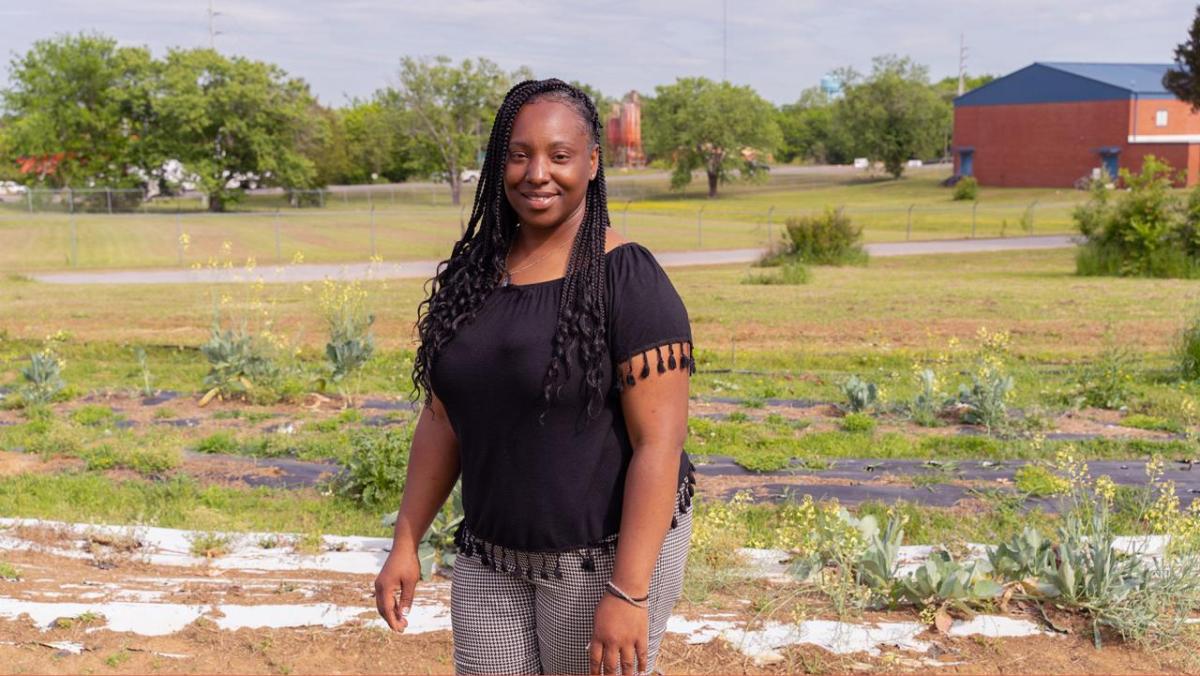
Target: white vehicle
pixel 469 175
pixel 861 163
pixel 12 188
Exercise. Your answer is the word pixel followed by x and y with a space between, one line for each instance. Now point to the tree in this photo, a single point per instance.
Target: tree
pixel 376 141
pixel 809 130
pixel 233 122
pixel 895 115
pixel 1184 79
pixel 449 111
pixel 85 103
pixel 696 123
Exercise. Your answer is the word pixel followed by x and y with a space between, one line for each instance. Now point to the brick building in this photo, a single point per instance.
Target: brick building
pixel 1050 124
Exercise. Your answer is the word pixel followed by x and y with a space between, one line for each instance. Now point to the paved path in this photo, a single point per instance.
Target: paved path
pixel 426 269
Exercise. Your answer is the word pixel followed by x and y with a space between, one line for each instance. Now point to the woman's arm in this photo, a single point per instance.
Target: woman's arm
pixel 656 417
pixel 433 467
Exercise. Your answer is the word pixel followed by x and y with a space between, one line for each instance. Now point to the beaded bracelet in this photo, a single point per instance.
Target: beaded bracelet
pixel 620 593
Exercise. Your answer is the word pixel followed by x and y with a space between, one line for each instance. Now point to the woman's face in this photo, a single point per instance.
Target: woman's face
pixel 550 160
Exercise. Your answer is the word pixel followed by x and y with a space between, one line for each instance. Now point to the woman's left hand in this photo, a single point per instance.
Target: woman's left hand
pixel 619 637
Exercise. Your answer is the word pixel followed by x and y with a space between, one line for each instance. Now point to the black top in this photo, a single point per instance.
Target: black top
pixel 559 486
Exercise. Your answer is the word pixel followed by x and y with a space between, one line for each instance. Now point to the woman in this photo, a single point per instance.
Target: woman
pixel 554 364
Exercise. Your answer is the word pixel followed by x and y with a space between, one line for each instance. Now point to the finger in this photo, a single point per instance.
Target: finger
pixel 627 660
pixel 595 653
pixel 643 660
pixel 386 605
pixel 612 658
pixel 408 589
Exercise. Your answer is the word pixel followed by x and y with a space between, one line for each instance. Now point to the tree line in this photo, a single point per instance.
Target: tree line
pixel 81 111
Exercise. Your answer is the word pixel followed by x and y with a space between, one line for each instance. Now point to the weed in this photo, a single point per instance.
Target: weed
pixel 218 442
pixel 9 572
pixel 118 658
pixel 94 415
pixel 966 189
pixel 790 273
pixel 139 353
pixel 825 239
pixel 1106 382
pixel 1187 349
pixel 1153 423
pixel 858 423
pixel 377 466
pixel 1039 481
pixel 210 545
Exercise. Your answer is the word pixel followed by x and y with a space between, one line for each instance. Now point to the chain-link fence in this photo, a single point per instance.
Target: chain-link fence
pixel 370 225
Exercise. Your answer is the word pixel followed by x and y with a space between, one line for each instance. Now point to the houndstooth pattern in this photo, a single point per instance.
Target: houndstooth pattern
pixel 505 623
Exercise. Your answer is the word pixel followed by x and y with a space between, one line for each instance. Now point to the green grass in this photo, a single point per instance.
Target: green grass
pixel 1153 423
pixel 181 503
pixel 9 572
pixel 646 210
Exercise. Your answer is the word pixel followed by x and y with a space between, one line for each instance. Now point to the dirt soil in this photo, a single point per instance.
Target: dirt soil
pixel 115 572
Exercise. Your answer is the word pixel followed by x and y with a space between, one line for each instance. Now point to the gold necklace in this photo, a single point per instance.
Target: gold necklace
pixel 506 278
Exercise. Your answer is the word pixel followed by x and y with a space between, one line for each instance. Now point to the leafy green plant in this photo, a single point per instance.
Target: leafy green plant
pixel 1025 555
pixel 94 415
pixel 946 583
pixel 237 362
pixel 928 403
pixel 218 442
pixel 876 566
pixel 9 572
pixel 1150 422
pixel 985 400
pixel 860 395
pixel 376 471
pixel 966 189
pixel 857 422
pixel 43 378
pixel 139 353
pixel 828 238
pixel 1107 381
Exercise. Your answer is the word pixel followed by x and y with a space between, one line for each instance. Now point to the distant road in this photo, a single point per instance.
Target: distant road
pixel 426 269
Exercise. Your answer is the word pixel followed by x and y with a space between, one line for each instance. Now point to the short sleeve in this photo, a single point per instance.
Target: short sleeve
pixel 648 327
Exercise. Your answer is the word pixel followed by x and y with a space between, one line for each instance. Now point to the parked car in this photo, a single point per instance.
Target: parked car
pixel 12 188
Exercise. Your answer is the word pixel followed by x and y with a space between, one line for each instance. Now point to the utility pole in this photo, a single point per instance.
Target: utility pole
pixel 962 64
pixel 724 40
pixel 212 29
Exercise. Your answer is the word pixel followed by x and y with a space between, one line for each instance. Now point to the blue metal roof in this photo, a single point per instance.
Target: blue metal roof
pixel 1071 82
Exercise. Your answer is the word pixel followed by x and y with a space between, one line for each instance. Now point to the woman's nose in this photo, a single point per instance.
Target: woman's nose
pixel 537 171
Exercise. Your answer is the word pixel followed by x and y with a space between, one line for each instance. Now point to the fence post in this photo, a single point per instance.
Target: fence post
pixel 108 194
pixel 278 249
pixel 321 197
pixel 770 213
pixel 974 206
pixel 908 231
pixel 372 231
pixel 74 241
pixel 178 240
pixel 1031 211
pixel 733 352
pixel 346 198
pixel 625 218
pixel 29 198
pixel 70 200
pixel 392 190
pixel 700 228
pixel 370 201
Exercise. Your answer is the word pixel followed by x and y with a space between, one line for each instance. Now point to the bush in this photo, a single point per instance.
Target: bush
pixel 966 190
pixel 1146 232
pixel 825 239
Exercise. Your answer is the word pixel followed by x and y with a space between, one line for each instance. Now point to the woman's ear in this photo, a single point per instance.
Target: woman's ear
pixel 595 161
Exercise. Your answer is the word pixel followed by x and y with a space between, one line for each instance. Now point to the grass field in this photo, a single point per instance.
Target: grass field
pixel 642 207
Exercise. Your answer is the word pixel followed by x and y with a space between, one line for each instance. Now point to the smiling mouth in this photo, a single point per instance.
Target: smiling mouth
pixel 539 200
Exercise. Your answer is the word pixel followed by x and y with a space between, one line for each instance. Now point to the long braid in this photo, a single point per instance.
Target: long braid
pixel 473 270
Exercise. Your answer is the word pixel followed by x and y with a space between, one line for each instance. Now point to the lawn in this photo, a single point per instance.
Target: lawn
pixel 413 228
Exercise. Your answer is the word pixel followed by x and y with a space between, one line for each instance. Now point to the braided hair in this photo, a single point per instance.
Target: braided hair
pixel 478 259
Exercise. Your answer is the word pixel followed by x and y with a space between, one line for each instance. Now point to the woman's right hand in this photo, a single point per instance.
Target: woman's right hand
pixel 401 572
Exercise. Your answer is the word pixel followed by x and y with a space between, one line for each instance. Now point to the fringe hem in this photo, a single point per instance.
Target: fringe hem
pixel 625 370
pixel 545 564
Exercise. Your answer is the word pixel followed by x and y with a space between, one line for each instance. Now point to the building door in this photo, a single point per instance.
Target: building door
pixel 1111 164
pixel 966 163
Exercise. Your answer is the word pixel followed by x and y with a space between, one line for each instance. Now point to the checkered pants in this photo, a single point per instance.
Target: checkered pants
pixel 505 623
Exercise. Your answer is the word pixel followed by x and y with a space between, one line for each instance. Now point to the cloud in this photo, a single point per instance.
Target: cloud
pixel 780 47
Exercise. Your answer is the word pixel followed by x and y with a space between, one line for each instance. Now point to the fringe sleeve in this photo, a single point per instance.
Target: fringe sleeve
pixel 648 328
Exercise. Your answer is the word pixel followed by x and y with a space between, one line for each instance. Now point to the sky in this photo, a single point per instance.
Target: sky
pixel 350 48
